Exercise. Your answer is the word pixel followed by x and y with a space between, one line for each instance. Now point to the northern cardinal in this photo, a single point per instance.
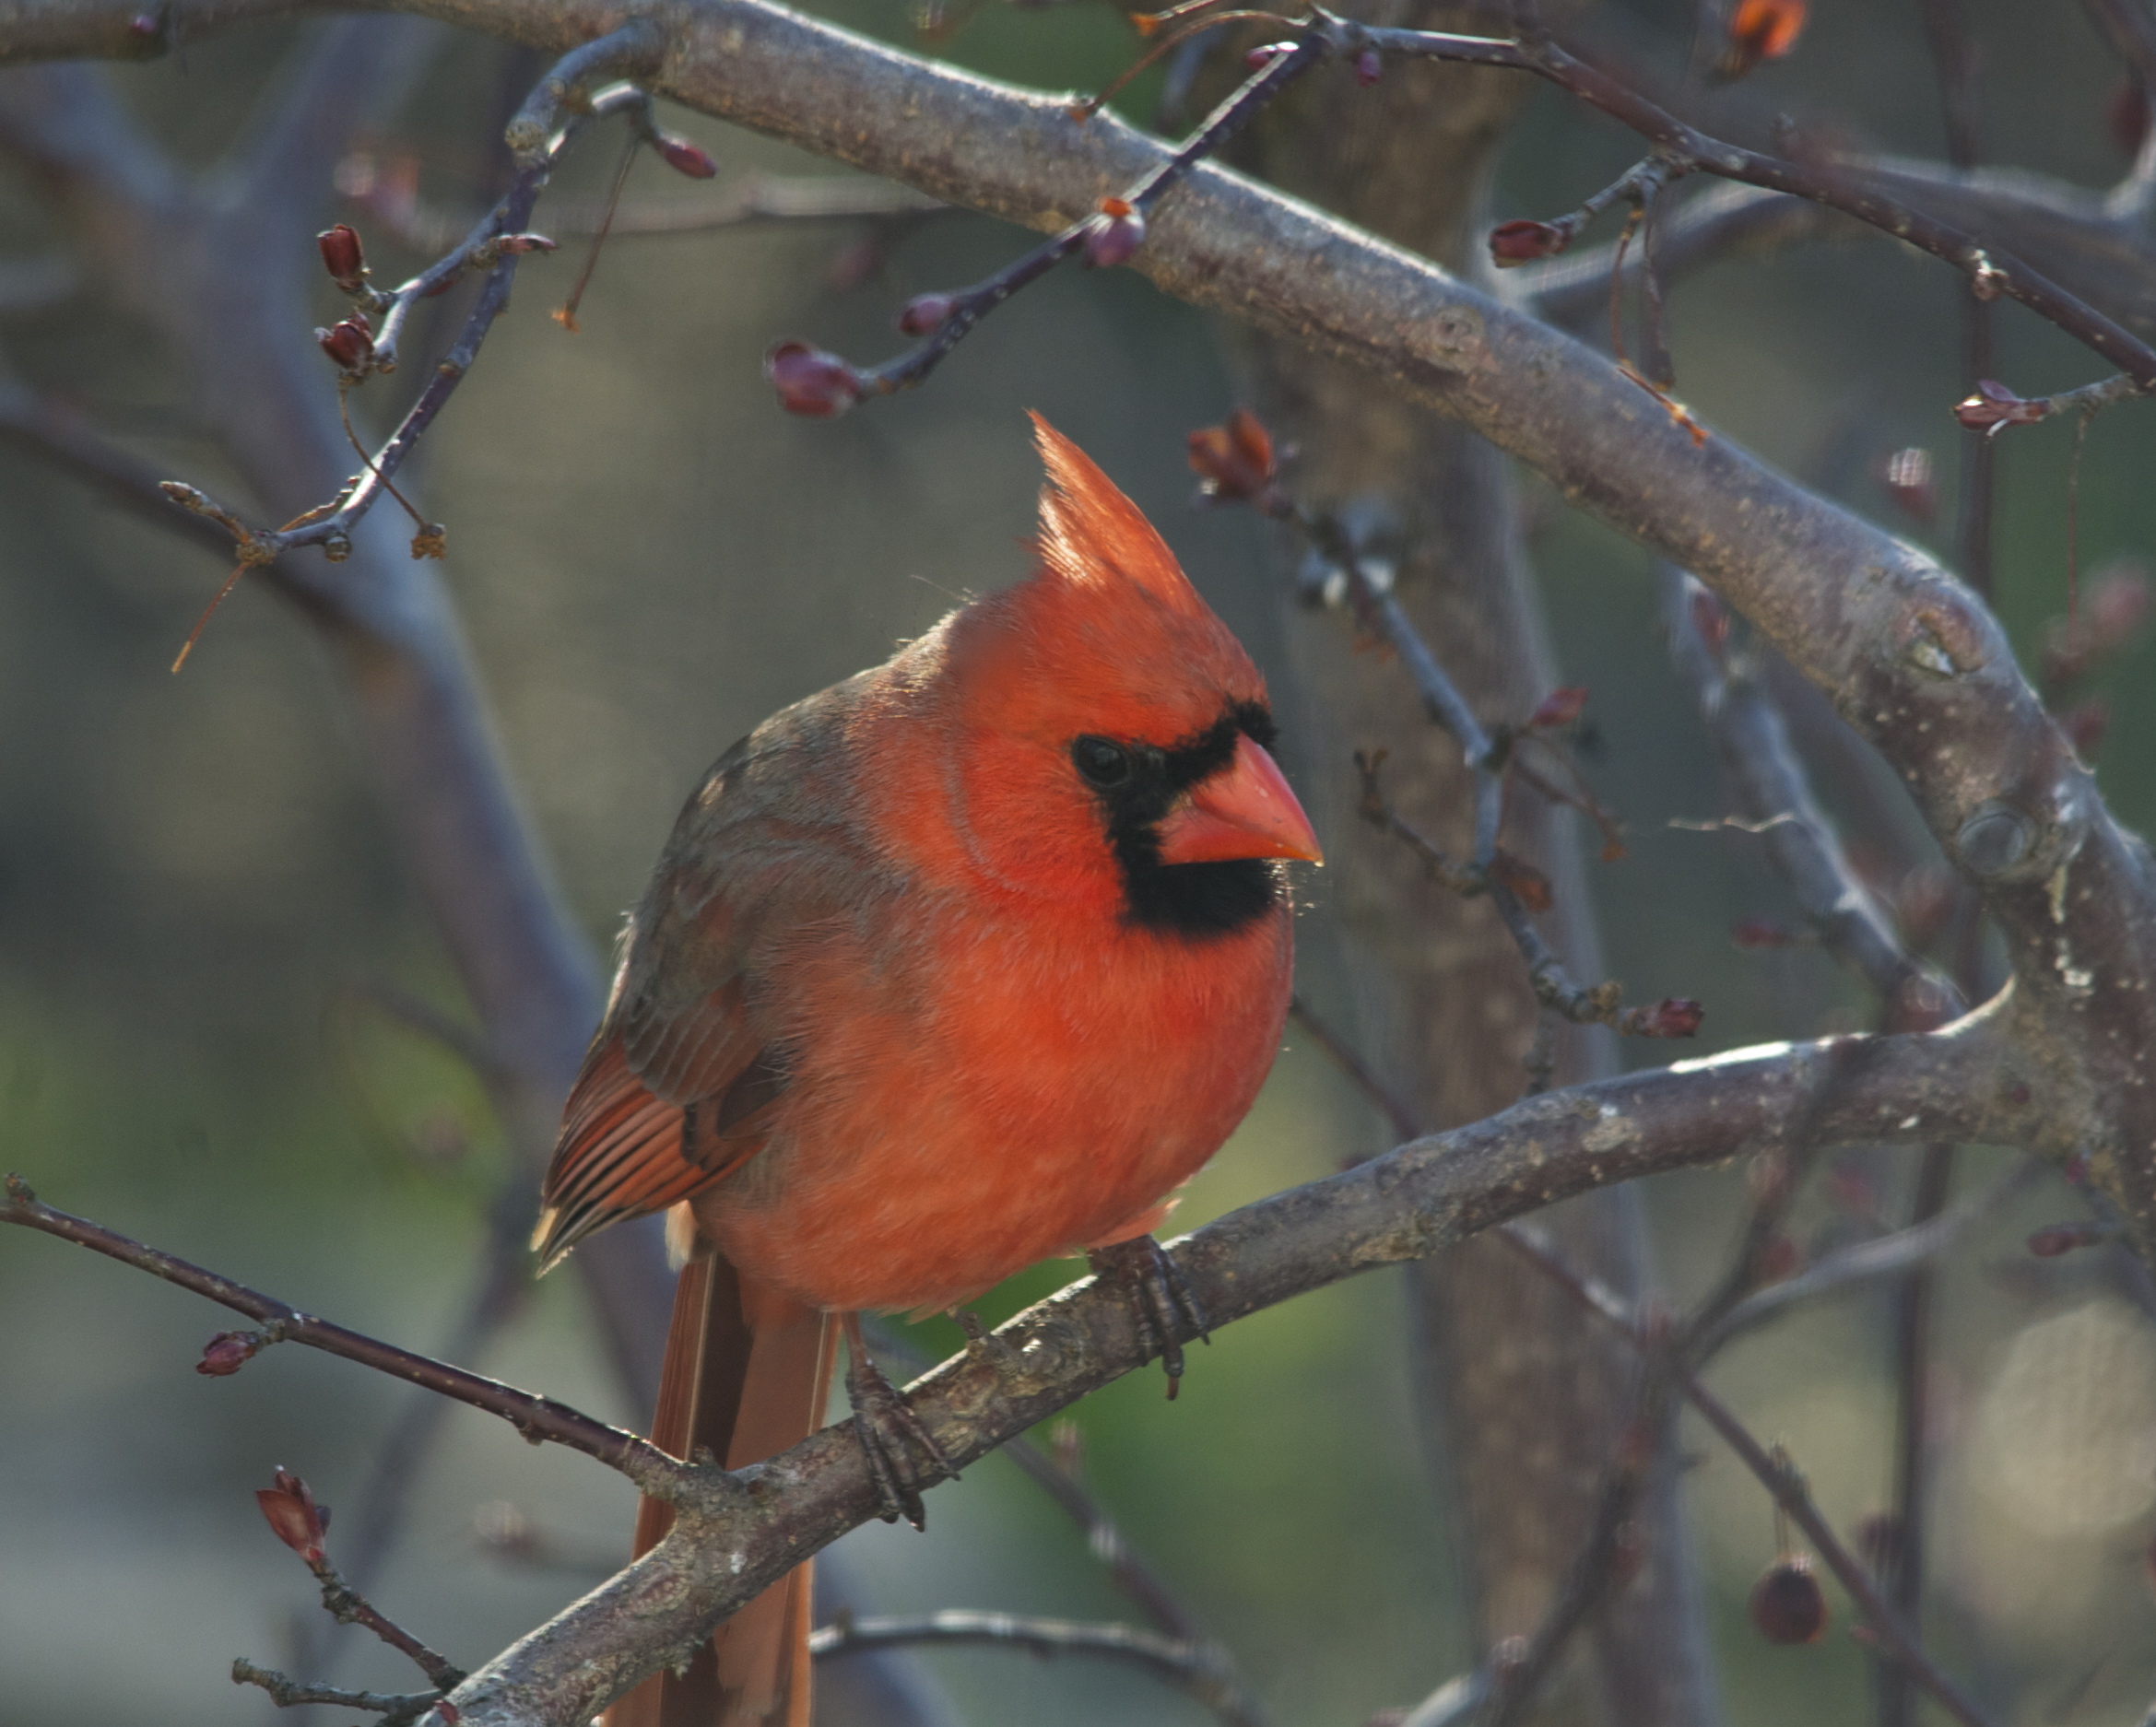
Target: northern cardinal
pixel 969 960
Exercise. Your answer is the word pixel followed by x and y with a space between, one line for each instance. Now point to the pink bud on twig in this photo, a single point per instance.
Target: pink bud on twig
pixel 926 314
pixel 349 343
pixel 293 1516
pixel 1522 242
pixel 1674 1016
pixel 810 381
pixel 228 1352
pixel 342 256
pixel 1113 235
pixel 1995 406
pixel 1369 67
pixel 683 156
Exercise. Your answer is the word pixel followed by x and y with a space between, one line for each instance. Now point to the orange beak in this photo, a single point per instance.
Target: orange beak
pixel 1244 811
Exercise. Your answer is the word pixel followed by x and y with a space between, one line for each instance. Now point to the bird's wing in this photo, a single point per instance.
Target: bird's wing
pixel 680 1083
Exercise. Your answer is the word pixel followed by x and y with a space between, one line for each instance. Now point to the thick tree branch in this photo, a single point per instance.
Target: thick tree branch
pixel 737 1533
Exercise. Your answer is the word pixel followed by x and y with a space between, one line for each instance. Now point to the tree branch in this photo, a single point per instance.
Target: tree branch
pixel 738 1534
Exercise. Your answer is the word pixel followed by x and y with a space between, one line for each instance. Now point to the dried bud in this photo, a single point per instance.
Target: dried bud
pixel 1787 1602
pixel 1529 884
pixel 349 343
pixel 810 381
pixel 1674 1016
pixel 1995 406
pixel 1113 235
pixel 432 541
pixel 228 1352
pixel 926 314
pixel 1911 483
pixel 293 1516
pixel 1233 461
pixel 2065 1238
pixel 341 255
pixel 1761 29
pixel 2126 118
pixel 1753 933
pixel 1559 709
pixel 2085 725
pixel 1369 67
pixel 1264 55
pixel 1523 242
pixel 1710 619
pixel 683 156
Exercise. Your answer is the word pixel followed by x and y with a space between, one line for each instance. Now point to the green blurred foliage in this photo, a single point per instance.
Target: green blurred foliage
pixel 197 903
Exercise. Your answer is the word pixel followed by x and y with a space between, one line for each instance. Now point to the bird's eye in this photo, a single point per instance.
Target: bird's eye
pixel 1102 763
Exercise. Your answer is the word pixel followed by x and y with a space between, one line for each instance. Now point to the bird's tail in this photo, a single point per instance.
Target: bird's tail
pixel 746 1374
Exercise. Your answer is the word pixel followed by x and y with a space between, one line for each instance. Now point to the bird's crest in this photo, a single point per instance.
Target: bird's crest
pixel 1091 533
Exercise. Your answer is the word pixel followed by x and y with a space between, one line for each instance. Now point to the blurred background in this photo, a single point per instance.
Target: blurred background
pixel 200 916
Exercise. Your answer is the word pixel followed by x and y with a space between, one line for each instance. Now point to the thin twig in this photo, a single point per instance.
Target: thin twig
pixel 537 1418
pixel 396 1708
pixel 965 308
pixel 1189 1668
pixel 1774 798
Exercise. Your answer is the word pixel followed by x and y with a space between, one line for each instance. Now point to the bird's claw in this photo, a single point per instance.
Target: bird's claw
pixel 887 1426
pixel 1161 1299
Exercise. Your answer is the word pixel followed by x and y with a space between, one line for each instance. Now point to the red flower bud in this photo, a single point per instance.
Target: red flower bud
pixel 1266 54
pixel 1761 29
pixel 2064 1238
pixel 1113 235
pixel 1674 1016
pixel 1235 462
pixel 1522 242
pixel 683 156
pixel 520 243
pixel 1787 1602
pixel 1369 67
pixel 293 1516
pixel 1910 482
pixel 341 255
pixel 926 314
pixel 1995 406
pixel 1560 708
pixel 228 1352
pixel 349 343
pixel 811 382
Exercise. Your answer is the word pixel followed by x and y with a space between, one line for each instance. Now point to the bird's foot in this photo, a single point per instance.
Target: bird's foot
pixel 891 1432
pixel 1161 1297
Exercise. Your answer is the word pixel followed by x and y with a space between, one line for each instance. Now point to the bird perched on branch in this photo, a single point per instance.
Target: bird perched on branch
pixel 969 960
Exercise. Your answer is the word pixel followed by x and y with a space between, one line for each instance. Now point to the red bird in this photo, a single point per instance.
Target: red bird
pixel 969 960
